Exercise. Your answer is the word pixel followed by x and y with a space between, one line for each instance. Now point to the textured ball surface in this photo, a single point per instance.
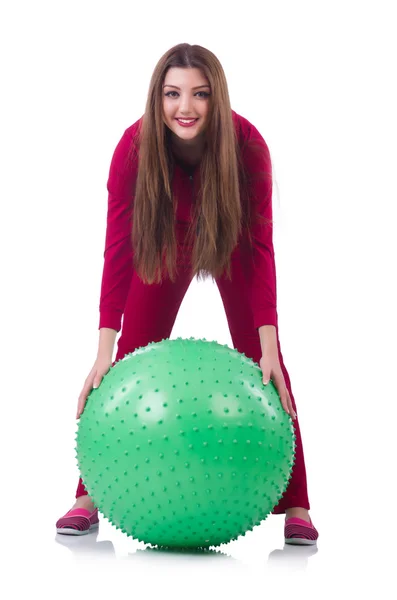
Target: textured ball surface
pixel 183 446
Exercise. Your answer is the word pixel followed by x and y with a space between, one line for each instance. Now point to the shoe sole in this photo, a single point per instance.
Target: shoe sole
pixel 300 542
pixel 70 531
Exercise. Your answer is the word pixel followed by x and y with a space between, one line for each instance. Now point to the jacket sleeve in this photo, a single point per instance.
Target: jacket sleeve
pixel 118 255
pixel 259 261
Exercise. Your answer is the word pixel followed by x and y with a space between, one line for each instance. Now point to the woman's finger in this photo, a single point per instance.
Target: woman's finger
pixel 83 397
pixel 282 390
pixel 80 406
pixel 93 381
pixel 290 405
pixel 97 381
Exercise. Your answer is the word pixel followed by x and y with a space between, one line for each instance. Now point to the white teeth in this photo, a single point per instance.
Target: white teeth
pixel 186 120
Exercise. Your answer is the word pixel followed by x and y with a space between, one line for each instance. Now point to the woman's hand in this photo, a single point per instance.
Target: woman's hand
pixel 271 368
pixel 95 376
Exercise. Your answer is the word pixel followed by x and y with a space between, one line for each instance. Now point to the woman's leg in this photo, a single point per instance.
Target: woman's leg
pixel 246 339
pixel 149 316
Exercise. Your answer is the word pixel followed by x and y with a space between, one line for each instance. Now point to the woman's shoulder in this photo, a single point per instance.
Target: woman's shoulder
pixel 130 138
pixel 133 130
pixel 253 147
pixel 125 155
pixel 245 130
pixel 124 163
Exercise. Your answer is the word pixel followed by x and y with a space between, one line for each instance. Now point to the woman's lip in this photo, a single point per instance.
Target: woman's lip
pixel 189 123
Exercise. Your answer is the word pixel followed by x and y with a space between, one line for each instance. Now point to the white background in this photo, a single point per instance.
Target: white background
pixel 317 79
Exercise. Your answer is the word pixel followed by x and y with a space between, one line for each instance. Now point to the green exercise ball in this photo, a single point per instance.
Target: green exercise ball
pixel 183 446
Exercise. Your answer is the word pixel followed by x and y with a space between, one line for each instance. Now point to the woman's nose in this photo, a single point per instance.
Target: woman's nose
pixel 185 104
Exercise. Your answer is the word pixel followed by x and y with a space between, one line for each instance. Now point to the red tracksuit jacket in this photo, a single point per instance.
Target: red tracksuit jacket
pixel 118 254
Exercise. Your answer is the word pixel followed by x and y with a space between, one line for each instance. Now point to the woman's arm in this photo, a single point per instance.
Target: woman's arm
pixel 268 337
pixel 118 255
pixel 259 261
pixel 107 338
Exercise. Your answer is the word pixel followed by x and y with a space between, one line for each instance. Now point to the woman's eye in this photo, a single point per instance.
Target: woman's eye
pixel 205 94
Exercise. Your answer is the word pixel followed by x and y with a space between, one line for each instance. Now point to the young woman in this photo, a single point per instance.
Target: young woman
pixel 190 194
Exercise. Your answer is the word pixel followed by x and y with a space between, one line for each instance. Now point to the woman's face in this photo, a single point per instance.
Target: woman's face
pixel 186 95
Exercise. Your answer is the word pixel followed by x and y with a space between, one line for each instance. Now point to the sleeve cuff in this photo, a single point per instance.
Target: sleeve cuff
pixel 265 316
pixel 110 319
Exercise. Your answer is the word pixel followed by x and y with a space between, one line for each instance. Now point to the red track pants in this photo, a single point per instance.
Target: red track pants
pixel 149 316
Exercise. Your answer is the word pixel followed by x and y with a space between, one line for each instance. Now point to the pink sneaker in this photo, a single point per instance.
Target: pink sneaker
pixel 78 521
pixel 300 532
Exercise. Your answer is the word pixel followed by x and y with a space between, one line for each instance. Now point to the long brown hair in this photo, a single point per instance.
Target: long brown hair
pixel 220 214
